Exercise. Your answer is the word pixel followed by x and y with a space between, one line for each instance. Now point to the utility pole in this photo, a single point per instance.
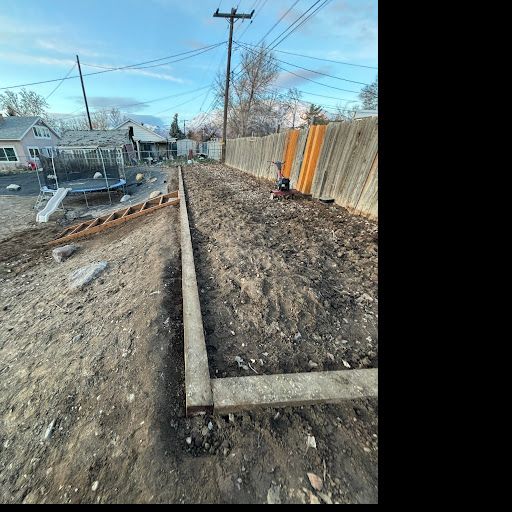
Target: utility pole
pixel 232 17
pixel 83 90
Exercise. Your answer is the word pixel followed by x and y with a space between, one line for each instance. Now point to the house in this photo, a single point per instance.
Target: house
pixel 23 139
pixel 361 114
pixel 148 144
pixel 85 143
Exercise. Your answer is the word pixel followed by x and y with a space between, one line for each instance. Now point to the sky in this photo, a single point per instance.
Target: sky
pixel 39 41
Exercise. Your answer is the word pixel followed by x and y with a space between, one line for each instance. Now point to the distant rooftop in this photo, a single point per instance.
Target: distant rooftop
pixel 14 127
pixel 366 113
pixel 94 138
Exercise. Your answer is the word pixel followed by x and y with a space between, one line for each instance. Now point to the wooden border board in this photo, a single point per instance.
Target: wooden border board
pixel 292 389
pixel 115 218
pixel 198 391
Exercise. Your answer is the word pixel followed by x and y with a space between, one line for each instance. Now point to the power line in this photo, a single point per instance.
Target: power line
pixel 211 47
pixel 278 21
pixel 258 10
pixel 292 24
pixel 303 77
pixel 154 65
pixel 310 70
pixel 315 82
pixel 60 83
pixel 325 60
pixel 142 102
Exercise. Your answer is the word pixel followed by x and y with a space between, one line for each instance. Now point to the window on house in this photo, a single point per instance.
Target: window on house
pixel 47 151
pixel 34 152
pixel 8 155
pixel 41 132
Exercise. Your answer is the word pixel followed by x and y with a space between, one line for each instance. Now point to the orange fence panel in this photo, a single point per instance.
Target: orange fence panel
pixel 311 155
pixel 289 152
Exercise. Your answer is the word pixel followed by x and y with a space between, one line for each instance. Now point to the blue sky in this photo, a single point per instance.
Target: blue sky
pixel 39 40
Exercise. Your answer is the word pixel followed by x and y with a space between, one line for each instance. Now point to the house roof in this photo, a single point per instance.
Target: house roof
pixel 158 138
pixel 94 138
pixel 15 127
pixel 366 113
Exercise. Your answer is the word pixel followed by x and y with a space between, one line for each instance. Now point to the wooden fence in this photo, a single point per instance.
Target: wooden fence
pixel 337 161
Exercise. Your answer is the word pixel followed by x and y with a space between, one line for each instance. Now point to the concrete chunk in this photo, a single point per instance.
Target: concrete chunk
pixel 83 276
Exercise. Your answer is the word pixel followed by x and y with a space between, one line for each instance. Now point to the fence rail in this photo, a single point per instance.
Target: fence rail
pixel 337 161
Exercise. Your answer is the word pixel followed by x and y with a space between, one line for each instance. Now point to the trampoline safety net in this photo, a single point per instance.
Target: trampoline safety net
pixel 77 169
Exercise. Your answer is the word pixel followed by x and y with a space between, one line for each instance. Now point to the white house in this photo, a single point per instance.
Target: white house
pixel 147 143
pixel 23 139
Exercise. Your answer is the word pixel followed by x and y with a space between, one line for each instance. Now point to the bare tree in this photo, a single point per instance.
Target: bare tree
pixel 24 103
pixel 369 95
pixel 249 89
pixel 293 99
pixel 116 117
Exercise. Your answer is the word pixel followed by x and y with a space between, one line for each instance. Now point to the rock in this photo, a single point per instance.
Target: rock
pixel 130 397
pixel 325 498
pixel 273 495
pixel 210 425
pixel 313 499
pixel 13 186
pixel 63 253
pixel 83 276
pixel 298 336
pixel 97 175
pixel 345 363
pixel 94 486
pixel 154 194
pixel 330 356
pixel 231 417
pixel 189 440
pixel 139 177
pixel 312 364
pixel 366 449
pixel 77 338
pixel 152 180
pixel 311 442
pixel 315 481
pixel 49 430
pixel 125 198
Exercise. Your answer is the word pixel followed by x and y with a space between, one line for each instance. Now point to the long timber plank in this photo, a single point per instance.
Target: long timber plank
pixel 198 391
pixel 292 389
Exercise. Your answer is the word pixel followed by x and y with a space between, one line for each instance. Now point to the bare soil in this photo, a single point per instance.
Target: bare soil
pixel 104 368
pixel 283 282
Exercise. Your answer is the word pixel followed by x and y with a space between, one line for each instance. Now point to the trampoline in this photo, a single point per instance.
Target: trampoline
pixel 85 172
pixel 93 185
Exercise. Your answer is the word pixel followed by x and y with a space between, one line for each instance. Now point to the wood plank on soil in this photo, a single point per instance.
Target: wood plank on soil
pixel 198 392
pixel 292 389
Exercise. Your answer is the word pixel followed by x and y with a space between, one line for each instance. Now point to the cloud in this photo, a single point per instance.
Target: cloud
pixel 125 103
pixel 24 58
pixel 285 79
pixel 64 47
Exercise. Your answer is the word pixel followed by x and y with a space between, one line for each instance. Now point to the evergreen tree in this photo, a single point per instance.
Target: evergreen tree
pixel 175 129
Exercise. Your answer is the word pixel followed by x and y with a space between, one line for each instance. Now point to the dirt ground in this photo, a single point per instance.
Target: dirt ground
pixel 283 282
pixel 101 370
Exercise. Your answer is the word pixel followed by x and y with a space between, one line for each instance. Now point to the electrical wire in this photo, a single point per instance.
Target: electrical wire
pixel 60 83
pixel 310 70
pixel 211 47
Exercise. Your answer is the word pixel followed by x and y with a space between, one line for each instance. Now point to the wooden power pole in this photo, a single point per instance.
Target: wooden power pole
pixel 83 90
pixel 232 17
